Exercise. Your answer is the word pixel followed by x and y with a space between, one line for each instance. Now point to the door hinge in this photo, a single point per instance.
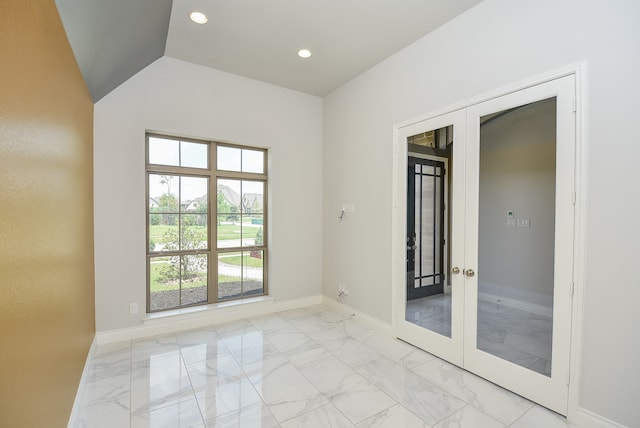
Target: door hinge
pixel 568 377
pixel 573 197
pixel 575 105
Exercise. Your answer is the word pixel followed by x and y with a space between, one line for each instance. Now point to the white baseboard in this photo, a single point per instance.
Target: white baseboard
pixel 371 322
pixel 546 311
pixel 185 321
pixel 82 385
pixel 583 418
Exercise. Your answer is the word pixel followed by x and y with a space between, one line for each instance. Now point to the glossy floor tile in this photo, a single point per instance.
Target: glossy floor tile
pixel 309 367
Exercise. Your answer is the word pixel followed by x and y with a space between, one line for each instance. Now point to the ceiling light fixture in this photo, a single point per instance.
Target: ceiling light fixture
pixel 198 17
pixel 304 53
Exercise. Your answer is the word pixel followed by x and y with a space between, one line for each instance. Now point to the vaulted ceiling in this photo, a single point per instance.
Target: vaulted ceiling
pixel 114 39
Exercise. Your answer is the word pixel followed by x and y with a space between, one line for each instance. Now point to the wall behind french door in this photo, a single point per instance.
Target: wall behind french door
pixel 512 222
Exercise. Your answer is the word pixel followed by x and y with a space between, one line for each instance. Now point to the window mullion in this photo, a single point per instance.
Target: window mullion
pixel 212 284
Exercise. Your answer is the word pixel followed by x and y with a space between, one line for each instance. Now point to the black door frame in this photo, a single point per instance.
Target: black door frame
pixel 414 243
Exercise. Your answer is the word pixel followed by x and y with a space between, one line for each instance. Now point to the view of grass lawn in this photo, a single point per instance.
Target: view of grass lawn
pixel 248 261
pixel 226 278
pixel 157 232
pixel 225 231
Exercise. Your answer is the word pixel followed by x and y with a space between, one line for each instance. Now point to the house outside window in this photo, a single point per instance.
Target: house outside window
pixel 206 222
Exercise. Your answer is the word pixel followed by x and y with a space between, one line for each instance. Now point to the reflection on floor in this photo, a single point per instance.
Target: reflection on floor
pixel 310 367
pixel 432 312
pixel 524 338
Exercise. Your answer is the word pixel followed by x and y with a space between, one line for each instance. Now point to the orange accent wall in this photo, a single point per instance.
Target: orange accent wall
pixel 46 217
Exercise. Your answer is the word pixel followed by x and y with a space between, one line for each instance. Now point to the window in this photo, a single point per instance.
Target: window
pixel 206 222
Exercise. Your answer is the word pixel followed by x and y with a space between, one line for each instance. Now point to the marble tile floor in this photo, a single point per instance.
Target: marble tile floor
pixel 310 367
pixel 524 338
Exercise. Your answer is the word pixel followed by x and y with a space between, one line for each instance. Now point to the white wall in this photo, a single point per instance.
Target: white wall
pixel 517 172
pixel 179 98
pixel 497 43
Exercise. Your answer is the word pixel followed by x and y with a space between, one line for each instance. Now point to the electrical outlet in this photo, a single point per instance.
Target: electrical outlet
pixel 523 222
pixel 133 308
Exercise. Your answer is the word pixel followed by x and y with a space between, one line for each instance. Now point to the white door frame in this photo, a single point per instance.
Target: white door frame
pixel 398 217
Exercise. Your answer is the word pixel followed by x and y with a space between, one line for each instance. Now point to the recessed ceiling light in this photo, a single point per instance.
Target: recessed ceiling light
pixel 304 53
pixel 198 17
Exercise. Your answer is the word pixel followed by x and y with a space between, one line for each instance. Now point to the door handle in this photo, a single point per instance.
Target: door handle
pixel 455 270
pixel 414 247
pixel 469 272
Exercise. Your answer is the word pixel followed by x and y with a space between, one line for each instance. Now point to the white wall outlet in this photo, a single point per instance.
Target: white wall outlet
pixel 511 222
pixel 133 308
pixel 523 222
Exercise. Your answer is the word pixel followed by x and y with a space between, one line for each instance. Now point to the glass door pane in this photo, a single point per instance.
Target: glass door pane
pixel 516 234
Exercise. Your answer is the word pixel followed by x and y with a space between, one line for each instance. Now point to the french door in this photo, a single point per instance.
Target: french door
pixel 505 308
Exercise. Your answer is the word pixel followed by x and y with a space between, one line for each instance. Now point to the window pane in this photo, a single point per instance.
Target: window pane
pixel 240 274
pixel 193 194
pixel 194 279
pixel 252 273
pixel 252 232
pixel 252 161
pixel 162 193
pixel 164 282
pixel 228 158
pixel 163 151
pixel 252 197
pixel 229 231
pixel 162 237
pixel 193 232
pixel 194 155
pixel 154 231
pixel 228 196
pixel 229 275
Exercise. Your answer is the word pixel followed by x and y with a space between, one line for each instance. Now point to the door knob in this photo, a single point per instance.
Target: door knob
pixel 469 272
pixel 455 270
